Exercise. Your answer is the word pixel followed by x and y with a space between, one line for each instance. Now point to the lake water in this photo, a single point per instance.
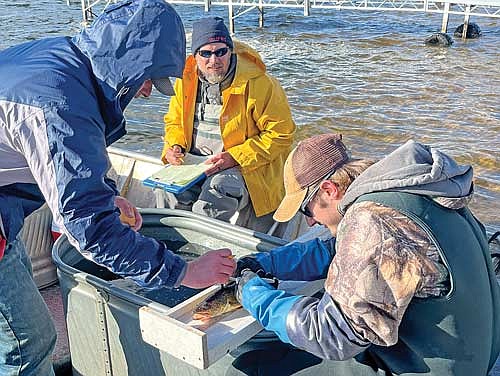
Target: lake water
pixel 367 75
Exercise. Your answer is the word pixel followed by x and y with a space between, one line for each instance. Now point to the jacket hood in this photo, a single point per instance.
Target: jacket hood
pixel 131 42
pixel 249 60
pixel 415 168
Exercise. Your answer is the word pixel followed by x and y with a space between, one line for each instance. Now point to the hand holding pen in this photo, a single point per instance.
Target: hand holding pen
pixel 175 155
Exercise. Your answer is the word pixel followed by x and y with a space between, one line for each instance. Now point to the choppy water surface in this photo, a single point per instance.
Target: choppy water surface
pixel 367 75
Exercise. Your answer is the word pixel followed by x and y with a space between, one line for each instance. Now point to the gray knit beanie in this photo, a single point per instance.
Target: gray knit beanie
pixel 209 30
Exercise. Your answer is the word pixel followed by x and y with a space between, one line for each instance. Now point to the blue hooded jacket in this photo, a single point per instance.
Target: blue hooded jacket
pixel 61 104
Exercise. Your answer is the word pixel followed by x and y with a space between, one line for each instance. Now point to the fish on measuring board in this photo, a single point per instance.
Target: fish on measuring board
pixel 218 304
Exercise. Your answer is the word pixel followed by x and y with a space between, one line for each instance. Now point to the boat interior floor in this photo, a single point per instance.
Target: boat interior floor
pixel 61 356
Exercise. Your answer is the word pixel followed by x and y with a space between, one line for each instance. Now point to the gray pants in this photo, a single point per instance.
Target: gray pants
pixel 222 196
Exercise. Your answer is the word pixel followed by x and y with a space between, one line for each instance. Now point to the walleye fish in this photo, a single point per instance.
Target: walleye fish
pixel 222 302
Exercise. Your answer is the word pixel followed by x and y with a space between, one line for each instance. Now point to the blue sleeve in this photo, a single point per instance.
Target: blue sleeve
pixel 307 261
pixel 315 325
pixel 268 306
pixel 79 193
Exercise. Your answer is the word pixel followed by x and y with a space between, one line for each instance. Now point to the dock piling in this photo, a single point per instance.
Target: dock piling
pixel 466 22
pixel 231 16
pixel 444 24
pixel 261 14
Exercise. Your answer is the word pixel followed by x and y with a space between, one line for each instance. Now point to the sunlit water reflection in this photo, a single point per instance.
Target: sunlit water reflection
pixel 367 75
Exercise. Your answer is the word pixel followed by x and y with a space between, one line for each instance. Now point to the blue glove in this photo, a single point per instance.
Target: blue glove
pixel 267 305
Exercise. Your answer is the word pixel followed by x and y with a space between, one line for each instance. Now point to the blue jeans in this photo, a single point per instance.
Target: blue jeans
pixel 27 333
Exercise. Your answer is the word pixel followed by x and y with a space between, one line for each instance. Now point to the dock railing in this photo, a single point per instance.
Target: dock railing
pixel 236 8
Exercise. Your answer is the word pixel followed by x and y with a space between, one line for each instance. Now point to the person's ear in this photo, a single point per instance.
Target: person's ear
pixel 331 189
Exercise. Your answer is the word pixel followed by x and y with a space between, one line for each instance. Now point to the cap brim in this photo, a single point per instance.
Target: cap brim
pixel 289 206
pixel 164 86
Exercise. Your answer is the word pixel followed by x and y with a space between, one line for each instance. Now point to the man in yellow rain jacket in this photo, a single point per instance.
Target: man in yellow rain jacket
pixel 227 107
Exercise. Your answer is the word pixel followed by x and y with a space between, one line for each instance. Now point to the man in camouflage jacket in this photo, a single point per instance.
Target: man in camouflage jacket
pixel 409 262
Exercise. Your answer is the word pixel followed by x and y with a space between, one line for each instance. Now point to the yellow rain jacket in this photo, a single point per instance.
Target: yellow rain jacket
pixel 256 125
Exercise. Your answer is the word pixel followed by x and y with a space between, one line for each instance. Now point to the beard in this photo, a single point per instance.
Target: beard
pixel 214 78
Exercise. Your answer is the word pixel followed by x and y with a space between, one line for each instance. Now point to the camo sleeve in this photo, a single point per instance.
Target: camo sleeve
pixel 319 327
pixel 383 260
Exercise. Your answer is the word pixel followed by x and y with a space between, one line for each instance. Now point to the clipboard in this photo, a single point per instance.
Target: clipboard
pixel 177 179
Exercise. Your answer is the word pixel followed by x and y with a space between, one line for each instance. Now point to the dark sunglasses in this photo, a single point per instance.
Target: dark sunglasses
pixel 218 53
pixel 306 211
pixel 304 208
pixel 311 193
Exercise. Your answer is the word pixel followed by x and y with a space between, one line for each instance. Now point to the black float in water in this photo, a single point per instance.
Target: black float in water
pixel 439 39
pixel 473 31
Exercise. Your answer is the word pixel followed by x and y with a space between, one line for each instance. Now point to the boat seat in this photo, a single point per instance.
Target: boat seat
pixel 38 241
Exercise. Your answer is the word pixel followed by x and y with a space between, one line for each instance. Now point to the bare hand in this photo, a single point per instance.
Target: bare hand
pixel 129 215
pixel 220 161
pixel 174 155
pixel 209 269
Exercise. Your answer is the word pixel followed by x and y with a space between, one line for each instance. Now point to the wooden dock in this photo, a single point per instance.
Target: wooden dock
pixel 236 8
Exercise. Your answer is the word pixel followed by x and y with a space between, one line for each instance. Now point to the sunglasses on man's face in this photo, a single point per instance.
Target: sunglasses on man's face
pixel 306 211
pixel 218 53
pixel 304 207
pixel 311 193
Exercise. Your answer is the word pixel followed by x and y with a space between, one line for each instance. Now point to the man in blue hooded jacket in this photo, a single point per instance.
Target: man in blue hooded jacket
pixel 409 263
pixel 61 104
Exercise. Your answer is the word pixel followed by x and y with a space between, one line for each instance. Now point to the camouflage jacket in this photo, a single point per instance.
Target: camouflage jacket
pixel 383 260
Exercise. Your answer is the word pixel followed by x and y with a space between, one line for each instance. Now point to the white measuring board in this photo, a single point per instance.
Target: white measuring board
pixel 202 344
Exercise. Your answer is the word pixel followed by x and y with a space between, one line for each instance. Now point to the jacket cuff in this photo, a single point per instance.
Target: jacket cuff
pixel 183 149
pixel 176 272
pixel 181 276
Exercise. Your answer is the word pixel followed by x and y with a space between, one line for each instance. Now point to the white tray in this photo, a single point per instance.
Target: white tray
pixel 201 344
